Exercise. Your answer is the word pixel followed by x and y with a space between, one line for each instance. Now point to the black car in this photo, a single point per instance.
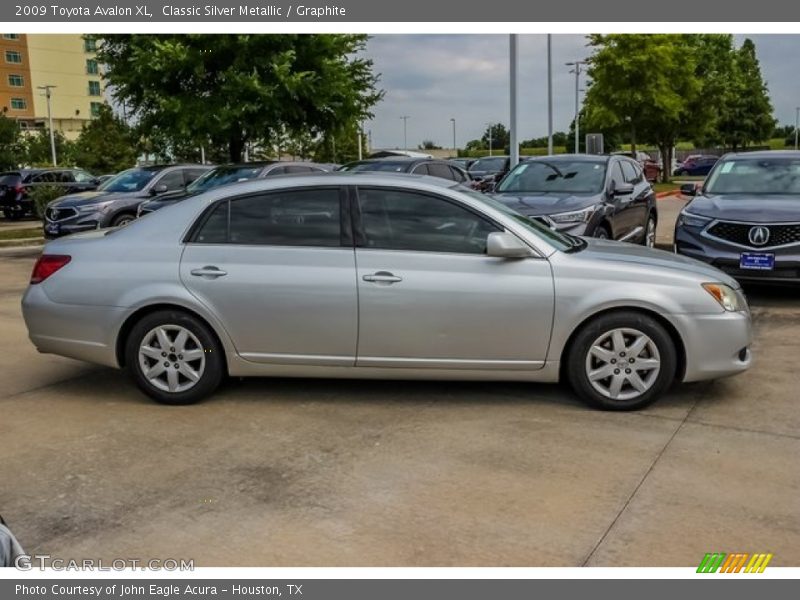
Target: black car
pixel 745 219
pixel 585 195
pixel 464 162
pixel 225 174
pixel 15 187
pixel 487 171
pixel 415 166
pixel 115 202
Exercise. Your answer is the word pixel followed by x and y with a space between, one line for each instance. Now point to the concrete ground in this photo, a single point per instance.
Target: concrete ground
pixel 327 473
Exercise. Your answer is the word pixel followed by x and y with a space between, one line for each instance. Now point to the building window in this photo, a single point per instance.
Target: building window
pixel 16 81
pixel 89 44
pixel 91 66
pixel 12 56
pixel 94 88
pixel 18 104
pixel 96 107
pixel 10 36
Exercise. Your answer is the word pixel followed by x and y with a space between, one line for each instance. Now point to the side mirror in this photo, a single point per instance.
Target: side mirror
pixel 501 244
pixel 689 189
pixel 623 189
pixel 159 189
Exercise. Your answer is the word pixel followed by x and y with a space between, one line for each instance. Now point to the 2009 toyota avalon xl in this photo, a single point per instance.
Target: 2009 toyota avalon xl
pixel 380 276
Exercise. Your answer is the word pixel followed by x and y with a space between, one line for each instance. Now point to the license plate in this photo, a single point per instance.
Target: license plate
pixel 52 228
pixel 757 261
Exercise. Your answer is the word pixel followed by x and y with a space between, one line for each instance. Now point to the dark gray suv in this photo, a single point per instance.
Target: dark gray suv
pixel 745 219
pixel 115 202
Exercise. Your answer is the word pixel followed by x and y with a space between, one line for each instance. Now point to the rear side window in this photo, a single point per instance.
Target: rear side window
pixel 440 170
pixel 399 220
pixel 284 218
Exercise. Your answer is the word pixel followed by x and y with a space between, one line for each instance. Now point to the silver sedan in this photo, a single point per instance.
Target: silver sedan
pixel 380 276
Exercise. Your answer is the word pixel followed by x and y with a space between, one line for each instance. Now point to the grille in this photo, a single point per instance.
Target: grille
pixel 779 235
pixel 59 214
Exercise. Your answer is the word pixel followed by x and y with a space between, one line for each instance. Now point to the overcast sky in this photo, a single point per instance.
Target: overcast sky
pixel 433 78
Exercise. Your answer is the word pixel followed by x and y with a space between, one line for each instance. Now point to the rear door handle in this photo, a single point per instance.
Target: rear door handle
pixel 382 277
pixel 208 271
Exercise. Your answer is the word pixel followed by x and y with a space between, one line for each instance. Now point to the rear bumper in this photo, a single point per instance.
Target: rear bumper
pixel 716 345
pixel 82 332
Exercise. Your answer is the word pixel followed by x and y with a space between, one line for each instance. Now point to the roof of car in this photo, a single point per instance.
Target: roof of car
pixel 596 158
pixel 764 154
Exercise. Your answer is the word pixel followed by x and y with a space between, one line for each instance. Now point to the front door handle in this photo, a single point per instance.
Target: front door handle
pixel 208 271
pixel 382 277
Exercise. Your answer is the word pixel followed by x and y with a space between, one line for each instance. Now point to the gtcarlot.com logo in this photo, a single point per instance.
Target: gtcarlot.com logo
pixel 741 562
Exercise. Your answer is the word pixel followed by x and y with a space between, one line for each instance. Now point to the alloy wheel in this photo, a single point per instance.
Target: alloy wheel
pixel 622 364
pixel 171 358
pixel 650 234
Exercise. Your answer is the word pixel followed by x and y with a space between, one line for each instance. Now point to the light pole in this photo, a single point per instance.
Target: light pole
pixel 405 132
pixel 577 70
pixel 796 124
pixel 455 148
pixel 549 94
pixel 358 133
pixel 490 138
pixel 47 92
pixel 514 149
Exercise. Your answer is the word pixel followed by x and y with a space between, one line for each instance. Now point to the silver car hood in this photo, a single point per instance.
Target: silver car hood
pixel 621 252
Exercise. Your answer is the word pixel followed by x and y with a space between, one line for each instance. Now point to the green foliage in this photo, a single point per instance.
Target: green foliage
pixel 237 88
pixel 12 148
pixel 106 145
pixel 429 145
pixel 559 139
pixel 42 195
pixel 38 153
pixel 341 146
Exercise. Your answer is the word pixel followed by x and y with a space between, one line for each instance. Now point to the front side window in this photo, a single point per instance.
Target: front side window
pixel 400 220
pixel 310 217
pixel 12 56
pixel 440 170
pixel 629 171
pixel 173 180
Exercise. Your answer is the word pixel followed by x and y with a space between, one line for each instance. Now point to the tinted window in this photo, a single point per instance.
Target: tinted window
pixel 422 169
pixel 379 165
pixel 297 169
pixel 629 172
pixel 10 179
pixel 540 176
pixel 276 171
pixel 190 175
pixel 755 176
pixel 616 176
pixel 82 177
pixel 47 177
pixel 173 180
pixel 488 164
pixel 222 176
pixel 399 220
pixel 283 218
pixel 458 175
pixel 132 180
pixel 440 170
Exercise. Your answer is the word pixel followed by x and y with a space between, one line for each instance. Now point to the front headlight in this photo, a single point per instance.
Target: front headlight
pixel 692 220
pixel 726 296
pixel 93 208
pixel 577 216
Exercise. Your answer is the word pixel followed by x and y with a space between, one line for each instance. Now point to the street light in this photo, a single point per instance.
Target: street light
pixel 490 138
pixel 796 124
pixel 577 70
pixel 549 94
pixel 455 148
pixel 47 92
pixel 405 119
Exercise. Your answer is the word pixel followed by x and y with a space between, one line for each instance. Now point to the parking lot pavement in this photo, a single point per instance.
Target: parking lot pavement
pixel 319 472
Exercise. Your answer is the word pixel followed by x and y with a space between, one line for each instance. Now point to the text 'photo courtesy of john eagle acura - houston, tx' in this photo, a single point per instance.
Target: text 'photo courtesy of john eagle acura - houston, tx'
pixel 392 276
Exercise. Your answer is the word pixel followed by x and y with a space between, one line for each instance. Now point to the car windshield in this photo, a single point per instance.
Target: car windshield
pixel 222 176
pixel 574 177
pixel 565 243
pixel 755 176
pixel 488 164
pixel 378 165
pixel 132 180
pixel 9 178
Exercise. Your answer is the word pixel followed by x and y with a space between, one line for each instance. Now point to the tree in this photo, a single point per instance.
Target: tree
pixel 11 146
pixel 747 115
pixel 429 145
pixel 240 88
pixel 340 146
pixel 38 152
pixel 500 137
pixel 106 145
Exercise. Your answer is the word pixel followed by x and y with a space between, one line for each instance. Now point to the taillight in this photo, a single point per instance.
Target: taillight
pixel 47 265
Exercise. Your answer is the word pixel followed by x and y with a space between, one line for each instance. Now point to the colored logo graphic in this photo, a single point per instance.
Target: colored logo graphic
pixel 714 562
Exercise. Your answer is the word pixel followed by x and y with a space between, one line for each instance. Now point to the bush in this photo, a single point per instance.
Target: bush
pixel 44 195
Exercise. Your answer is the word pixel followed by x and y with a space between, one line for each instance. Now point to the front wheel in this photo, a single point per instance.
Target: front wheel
pixel 621 361
pixel 122 220
pixel 601 233
pixel 649 239
pixel 174 358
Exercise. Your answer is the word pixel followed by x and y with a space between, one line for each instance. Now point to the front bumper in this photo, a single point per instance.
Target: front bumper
pixel 691 242
pixel 716 345
pixel 56 229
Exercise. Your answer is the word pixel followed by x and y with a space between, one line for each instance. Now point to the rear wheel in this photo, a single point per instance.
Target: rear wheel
pixel 174 358
pixel 621 361
pixel 649 239
pixel 601 233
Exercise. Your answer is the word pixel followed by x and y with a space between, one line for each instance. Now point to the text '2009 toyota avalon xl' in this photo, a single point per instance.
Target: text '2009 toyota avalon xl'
pixel 380 276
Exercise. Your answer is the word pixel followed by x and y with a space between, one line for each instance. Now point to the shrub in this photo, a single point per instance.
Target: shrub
pixel 43 195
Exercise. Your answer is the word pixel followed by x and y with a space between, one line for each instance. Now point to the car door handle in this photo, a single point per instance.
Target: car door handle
pixel 208 271
pixel 382 277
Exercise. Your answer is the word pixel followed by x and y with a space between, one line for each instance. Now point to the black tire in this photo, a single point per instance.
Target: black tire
pixel 212 372
pixel 601 232
pixel 576 369
pixel 122 219
pixel 651 218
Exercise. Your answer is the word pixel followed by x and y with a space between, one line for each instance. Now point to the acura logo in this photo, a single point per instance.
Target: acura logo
pixel 758 236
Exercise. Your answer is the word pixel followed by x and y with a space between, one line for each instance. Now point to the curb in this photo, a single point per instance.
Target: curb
pixel 670 193
pixel 22 242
